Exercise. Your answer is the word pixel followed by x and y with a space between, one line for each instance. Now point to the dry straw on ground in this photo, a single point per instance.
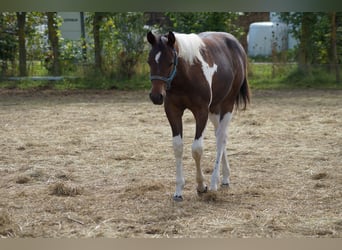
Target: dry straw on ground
pixel 61 189
pixel 100 164
pixel 7 227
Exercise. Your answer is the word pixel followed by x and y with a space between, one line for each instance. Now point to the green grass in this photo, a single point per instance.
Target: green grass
pixel 261 76
pixel 94 82
pixel 136 83
pixel 287 76
pixel 25 84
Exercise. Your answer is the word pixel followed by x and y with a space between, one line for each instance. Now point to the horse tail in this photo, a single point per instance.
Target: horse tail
pixel 244 95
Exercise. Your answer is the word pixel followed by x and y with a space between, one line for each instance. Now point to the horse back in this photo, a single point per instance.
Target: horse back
pixel 224 50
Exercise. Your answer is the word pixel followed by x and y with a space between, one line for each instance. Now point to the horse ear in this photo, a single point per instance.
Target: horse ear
pixel 151 38
pixel 171 39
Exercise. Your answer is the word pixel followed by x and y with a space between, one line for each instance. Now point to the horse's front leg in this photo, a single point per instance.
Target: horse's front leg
pixel 174 116
pixel 177 143
pixel 201 117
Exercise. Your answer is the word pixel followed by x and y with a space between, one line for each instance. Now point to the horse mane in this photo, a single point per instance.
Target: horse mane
pixel 189 46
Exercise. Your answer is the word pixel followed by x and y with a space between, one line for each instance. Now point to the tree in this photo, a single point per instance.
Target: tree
pixel 97 19
pixel 334 60
pixel 305 46
pixel 8 43
pixel 53 39
pixel 196 22
pixel 316 32
pixel 129 35
pixel 21 18
pixel 36 41
pixel 120 37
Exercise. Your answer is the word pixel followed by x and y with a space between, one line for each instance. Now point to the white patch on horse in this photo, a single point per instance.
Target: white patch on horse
pixel 157 57
pixel 197 146
pixel 208 72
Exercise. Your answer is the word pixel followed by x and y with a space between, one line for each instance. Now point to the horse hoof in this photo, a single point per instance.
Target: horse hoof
pixel 178 198
pixel 225 185
pixel 205 190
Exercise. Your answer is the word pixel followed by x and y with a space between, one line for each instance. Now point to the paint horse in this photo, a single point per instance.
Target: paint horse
pixel 207 74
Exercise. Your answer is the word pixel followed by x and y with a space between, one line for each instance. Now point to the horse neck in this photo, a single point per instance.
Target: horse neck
pixel 183 79
pixel 182 75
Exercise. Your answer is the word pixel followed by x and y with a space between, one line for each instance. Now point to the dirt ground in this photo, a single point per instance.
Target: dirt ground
pixel 100 164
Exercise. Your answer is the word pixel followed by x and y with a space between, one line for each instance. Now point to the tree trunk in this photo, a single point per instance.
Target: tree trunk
pixel 304 60
pixel 83 37
pixel 97 40
pixel 53 38
pixel 334 61
pixel 21 18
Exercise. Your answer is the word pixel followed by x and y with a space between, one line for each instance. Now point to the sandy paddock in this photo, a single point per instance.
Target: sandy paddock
pixel 100 164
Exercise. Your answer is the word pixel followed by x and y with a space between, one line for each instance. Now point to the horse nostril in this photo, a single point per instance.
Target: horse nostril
pixel 161 97
pixel 156 98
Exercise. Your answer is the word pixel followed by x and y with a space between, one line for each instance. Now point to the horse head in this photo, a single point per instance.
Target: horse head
pixel 163 64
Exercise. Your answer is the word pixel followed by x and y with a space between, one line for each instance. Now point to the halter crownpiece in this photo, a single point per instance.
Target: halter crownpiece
pixel 172 75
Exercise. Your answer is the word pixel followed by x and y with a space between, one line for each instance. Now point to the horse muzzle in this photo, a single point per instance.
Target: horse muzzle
pixel 157 98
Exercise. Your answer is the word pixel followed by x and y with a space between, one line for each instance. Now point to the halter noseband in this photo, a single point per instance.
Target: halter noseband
pixel 172 75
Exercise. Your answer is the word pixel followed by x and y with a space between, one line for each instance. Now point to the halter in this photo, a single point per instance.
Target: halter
pixel 172 75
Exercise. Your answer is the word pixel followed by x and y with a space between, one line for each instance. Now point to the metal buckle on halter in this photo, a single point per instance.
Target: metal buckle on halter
pixel 172 75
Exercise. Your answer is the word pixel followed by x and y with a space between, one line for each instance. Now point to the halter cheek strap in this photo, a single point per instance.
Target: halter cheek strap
pixel 172 75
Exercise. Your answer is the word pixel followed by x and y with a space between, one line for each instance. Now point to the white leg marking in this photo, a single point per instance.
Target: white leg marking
pixel 221 140
pixel 157 57
pixel 197 151
pixel 178 151
pixel 215 119
pixel 225 168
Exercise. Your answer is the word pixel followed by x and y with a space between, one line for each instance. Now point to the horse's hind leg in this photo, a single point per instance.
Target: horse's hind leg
pixel 215 119
pixel 225 169
pixel 221 128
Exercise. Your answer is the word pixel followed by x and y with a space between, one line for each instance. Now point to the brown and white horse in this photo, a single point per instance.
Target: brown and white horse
pixel 207 74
